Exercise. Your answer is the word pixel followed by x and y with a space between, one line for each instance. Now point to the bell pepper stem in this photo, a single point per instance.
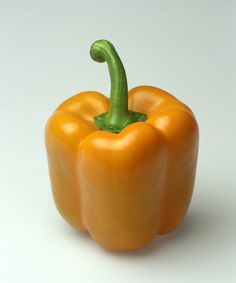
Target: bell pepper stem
pixel 119 116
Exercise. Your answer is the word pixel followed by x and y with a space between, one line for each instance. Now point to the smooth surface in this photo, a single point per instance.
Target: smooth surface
pixel 184 47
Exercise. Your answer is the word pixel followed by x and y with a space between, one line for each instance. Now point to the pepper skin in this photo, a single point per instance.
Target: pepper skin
pixel 123 186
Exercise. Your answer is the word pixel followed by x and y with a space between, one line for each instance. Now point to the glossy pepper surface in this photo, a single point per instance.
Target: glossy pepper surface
pixel 123 169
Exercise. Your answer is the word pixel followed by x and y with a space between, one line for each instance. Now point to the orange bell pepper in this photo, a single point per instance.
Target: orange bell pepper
pixel 123 168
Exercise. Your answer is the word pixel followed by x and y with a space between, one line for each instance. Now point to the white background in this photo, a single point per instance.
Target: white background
pixel 184 47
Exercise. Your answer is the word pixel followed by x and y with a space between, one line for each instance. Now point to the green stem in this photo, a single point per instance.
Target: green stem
pixel 119 116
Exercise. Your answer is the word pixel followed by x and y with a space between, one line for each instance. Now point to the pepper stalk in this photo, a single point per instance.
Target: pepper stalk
pixel 118 116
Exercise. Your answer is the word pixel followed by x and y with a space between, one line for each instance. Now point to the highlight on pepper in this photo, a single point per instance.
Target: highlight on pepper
pixel 122 168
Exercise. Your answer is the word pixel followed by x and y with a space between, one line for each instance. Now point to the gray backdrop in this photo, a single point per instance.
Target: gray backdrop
pixel 184 47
